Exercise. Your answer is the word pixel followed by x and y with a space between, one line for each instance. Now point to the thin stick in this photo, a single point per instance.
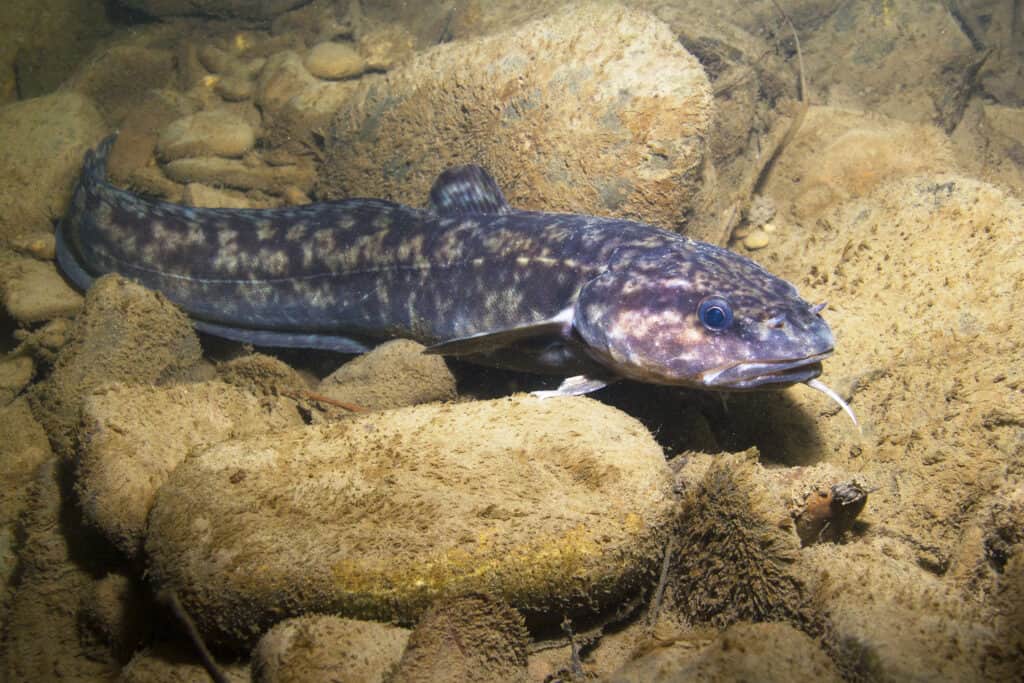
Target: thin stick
pixel 311 396
pixel 170 598
pixel 801 114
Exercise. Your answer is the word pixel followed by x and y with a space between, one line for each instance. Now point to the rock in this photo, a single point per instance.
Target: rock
pixel 334 61
pixel 396 373
pixel 261 374
pixel 125 333
pixel 595 109
pixel 197 194
pixel 33 291
pixel 45 140
pixel 283 77
pixel 839 154
pixel 121 76
pixel 176 662
pixel 56 554
pixel 15 374
pixel 135 436
pixel 216 60
pixel 45 342
pixel 553 505
pixel 733 554
pixel 963 346
pixel 117 613
pixel 770 653
pixel 386 46
pixel 298 104
pixel 44 42
pixel 40 246
pixel 234 88
pixel 257 10
pixel 892 64
pixel 23 449
pixel 757 239
pixel 320 646
pixel 472 639
pixel 216 133
pixel 873 599
pixel 239 174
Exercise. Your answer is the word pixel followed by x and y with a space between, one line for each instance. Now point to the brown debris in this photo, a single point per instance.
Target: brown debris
pixel 829 513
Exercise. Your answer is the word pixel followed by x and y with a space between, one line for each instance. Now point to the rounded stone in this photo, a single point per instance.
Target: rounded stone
pixel 214 133
pixel 334 61
pixel 757 239
pixel 326 647
pixel 396 373
pixel 555 506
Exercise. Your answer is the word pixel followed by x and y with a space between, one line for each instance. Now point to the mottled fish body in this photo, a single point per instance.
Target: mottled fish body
pixel 468 276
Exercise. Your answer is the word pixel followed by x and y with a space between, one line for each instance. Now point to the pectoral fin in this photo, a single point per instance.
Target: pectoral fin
pixel 576 386
pixel 489 342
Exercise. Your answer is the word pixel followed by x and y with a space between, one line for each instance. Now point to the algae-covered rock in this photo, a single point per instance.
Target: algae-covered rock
pixel 555 506
pixel 125 333
pixel 56 575
pixel 734 551
pixel 217 133
pixel 177 662
pixel 326 647
pixel 44 141
pixel 33 291
pixel 595 109
pixel 768 653
pixel 895 621
pixel 134 436
pixel 396 373
pixel 472 639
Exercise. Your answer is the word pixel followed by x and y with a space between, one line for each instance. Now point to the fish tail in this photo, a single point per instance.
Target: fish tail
pixel 92 179
pixel 94 168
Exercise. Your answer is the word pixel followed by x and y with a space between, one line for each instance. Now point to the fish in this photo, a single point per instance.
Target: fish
pixel 588 298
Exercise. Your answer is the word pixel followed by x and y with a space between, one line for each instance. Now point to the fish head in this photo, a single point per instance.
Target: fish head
pixel 692 314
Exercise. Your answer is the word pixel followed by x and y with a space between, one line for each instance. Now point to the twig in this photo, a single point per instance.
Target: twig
pixel 798 120
pixel 311 396
pixel 170 598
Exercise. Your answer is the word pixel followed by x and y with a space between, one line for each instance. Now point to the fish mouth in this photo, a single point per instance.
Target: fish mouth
pixel 750 375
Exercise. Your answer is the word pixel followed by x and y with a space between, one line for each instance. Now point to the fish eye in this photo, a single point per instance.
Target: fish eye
pixel 715 313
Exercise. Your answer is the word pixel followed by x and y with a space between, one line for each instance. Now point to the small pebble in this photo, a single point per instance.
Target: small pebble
pixel 215 60
pixel 293 196
pixel 334 61
pixel 234 88
pixel 757 239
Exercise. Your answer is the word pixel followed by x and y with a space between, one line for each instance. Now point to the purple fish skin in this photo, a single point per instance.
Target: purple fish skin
pixel 627 299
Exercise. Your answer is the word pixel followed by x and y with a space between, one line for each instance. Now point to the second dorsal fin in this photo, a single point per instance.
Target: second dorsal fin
pixel 467 189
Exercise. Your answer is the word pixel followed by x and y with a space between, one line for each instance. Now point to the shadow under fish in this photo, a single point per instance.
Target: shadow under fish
pixel 588 298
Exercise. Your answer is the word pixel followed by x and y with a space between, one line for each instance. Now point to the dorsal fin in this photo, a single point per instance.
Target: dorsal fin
pixel 467 189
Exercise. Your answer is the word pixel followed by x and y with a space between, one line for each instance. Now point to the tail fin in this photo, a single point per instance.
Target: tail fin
pixel 94 172
pixel 94 168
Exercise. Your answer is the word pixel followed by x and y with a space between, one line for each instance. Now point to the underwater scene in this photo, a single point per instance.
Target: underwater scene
pixel 535 341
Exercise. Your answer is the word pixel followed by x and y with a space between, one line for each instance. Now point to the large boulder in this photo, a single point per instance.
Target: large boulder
pixel 594 109
pixel 557 506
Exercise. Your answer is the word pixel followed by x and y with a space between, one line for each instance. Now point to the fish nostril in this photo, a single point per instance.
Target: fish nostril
pixel 776 322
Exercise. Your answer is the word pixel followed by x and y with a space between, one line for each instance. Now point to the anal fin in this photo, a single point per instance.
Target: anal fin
pixel 291 340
